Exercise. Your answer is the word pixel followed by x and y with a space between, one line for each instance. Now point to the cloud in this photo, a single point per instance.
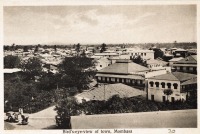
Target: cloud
pixel 98 24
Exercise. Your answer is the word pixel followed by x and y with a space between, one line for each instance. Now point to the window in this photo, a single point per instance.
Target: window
pixel 151 83
pixel 144 54
pixel 175 85
pixel 100 65
pixel 157 84
pixel 169 85
pixel 187 68
pixel 163 85
pixel 141 54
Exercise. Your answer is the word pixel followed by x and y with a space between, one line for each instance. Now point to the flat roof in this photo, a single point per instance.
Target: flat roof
pixel 11 70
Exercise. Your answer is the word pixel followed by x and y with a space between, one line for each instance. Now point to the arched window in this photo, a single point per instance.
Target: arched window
pixel 157 84
pixel 169 85
pixel 151 83
pixel 163 84
pixel 175 85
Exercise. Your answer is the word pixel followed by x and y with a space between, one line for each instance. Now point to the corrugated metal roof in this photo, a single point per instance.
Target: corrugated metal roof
pixel 183 76
pixel 123 68
pixel 191 81
pixel 188 60
pixel 175 76
pixel 110 90
pixel 131 76
pixel 168 76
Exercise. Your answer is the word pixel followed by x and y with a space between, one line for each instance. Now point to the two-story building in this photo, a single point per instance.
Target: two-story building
pixel 102 63
pixel 188 65
pixel 144 54
pixel 123 71
pixel 178 82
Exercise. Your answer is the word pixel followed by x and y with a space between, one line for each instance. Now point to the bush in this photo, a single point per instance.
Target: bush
pixel 11 61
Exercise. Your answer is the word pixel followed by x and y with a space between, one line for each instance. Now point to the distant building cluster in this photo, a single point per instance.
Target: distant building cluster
pixel 162 69
pixel 151 70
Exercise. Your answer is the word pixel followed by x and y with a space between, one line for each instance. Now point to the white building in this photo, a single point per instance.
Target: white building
pixel 178 82
pixel 102 63
pixel 145 54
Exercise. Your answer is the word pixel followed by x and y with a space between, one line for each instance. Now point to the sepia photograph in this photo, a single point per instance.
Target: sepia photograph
pixel 100 67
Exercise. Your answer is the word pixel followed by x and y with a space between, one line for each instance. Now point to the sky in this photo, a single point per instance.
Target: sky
pixel 99 24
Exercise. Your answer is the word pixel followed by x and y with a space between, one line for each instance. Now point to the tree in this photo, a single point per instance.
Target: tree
pixel 7 48
pixel 32 67
pixel 45 46
pixel 78 48
pixel 36 49
pixel 16 47
pixel 83 54
pixel 168 92
pixel 138 59
pixel 55 48
pixel 103 48
pixel 47 82
pixel 11 61
pixel 75 71
pixel 25 48
pixel 13 47
pixel 115 104
pixel 66 107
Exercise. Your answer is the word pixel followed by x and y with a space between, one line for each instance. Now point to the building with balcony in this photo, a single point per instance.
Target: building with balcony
pixel 123 71
pixel 182 84
pixel 188 65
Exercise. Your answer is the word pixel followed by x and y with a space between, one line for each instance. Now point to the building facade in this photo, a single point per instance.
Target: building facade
pixel 123 71
pixel 188 65
pixel 144 54
pixel 175 81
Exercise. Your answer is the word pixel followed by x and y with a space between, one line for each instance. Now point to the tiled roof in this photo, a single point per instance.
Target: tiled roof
pixel 122 67
pixel 183 76
pixel 188 60
pixel 108 91
pixel 191 81
pixel 168 76
pixel 175 76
